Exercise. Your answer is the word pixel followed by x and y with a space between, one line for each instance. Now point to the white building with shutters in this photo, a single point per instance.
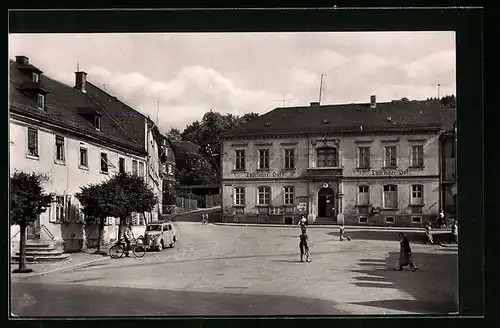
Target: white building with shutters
pixel 77 136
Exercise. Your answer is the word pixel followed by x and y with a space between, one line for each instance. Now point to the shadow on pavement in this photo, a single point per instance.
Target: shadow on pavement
pixel 440 236
pixel 433 287
pixel 44 300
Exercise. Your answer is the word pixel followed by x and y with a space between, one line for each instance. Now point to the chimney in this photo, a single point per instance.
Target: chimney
pixel 80 81
pixel 314 103
pixel 373 101
pixel 23 60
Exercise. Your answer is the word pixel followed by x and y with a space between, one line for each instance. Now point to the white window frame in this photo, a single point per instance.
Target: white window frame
pixel 135 169
pixel 288 195
pixel 414 194
pixel 260 201
pixel 389 222
pixel 239 196
pixel 63 149
pixel 35 77
pixel 37 148
pixel 289 159
pixel 395 155
pixel 260 165
pixel 360 162
pixel 359 192
pixel 420 161
pixel 416 221
pixel 239 161
pixel 41 101
pixel 120 159
pixel 396 195
pixel 106 161
pixel 86 165
pixel 97 122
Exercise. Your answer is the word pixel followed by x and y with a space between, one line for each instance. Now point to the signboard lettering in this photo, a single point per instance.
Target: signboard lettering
pixel 390 172
pixel 278 174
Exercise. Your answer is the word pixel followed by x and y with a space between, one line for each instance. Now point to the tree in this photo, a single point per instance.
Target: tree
pixel 195 169
pixel 27 202
pixel 174 135
pixel 97 201
pixel 129 194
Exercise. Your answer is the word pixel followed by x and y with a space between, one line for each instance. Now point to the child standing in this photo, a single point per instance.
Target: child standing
pixel 304 247
pixel 428 233
pixel 342 233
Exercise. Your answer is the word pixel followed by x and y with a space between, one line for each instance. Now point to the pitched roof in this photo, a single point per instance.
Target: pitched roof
pixel 186 147
pixel 64 105
pixel 449 117
pixel 393 115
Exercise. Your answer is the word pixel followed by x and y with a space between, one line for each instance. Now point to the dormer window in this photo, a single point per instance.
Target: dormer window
pixel 35 78
pixel 41 101
pixel 97 122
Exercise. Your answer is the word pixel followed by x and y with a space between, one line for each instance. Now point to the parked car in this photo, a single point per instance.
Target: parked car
pixel 160 234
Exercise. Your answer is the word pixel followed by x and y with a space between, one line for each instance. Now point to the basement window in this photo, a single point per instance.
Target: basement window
pixel 363 219
pixel 389 219
pixel 416 219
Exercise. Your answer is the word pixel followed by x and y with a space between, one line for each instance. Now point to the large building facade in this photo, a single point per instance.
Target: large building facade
pixel 76 136
pixel 375 164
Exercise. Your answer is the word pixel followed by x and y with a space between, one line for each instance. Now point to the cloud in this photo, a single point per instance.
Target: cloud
pixel 436 63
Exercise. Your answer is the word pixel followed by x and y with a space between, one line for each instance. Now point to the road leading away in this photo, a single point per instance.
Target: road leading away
pixel 227 270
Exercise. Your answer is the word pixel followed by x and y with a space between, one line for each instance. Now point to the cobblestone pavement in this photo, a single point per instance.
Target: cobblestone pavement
pixel 358 277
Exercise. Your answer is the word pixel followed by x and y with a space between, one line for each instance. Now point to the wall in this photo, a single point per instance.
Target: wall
pixel 64 178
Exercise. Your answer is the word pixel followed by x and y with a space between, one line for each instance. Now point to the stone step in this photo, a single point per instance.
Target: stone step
pixel 38 245
pixel 36 252
pixel 42 258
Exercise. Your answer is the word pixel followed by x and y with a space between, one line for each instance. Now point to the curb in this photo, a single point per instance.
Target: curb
pixel 71 267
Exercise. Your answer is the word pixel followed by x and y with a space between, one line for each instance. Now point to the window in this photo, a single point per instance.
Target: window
pixel 41 101
pixel 288 192
pixel 417 192
pixel 60 148
pixel 327 157
pixel 417 156
pixel 264 196
pixel 389 219
pixel 36 78
pixel 97 122
pixel 141 169
pixel 33 142
pixel 59 209
pixel 170 169
pixel 390 196
pixel 289 158
pixel 363 195
pixel 240 159
pixel 416 219
pixel 239 196
pixel 104 163
pixel 390 156
pixel 84 157
pixel 121 165
pixel 264 159
pixel 364 157
pixel 134 167
pixel 363 219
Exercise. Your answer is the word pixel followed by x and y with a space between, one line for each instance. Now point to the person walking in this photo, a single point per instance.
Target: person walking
pixel 303 224
pixel 454 231
pixel 342 234
pixel 304 247
pixel 405 256
pixel 442 220
pixel 428 233
pixel 129 237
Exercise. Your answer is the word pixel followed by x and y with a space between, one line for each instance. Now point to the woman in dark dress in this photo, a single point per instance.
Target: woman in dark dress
pixel 405 254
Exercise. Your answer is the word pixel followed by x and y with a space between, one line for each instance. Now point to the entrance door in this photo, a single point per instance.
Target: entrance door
pixel 326 203
pixel 33 230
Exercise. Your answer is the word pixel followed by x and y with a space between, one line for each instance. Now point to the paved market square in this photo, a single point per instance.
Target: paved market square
pixel 238 270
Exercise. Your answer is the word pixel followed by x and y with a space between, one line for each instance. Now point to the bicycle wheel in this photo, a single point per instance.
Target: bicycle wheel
pixel 116 251
pixel 139 250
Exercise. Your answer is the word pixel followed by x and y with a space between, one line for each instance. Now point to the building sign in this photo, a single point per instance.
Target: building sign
pixel 302 208
pixel 390 172
pixel 277 174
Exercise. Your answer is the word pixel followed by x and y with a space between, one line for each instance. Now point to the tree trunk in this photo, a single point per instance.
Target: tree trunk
pixel 22 249
pixel 99 237
pixel 120 229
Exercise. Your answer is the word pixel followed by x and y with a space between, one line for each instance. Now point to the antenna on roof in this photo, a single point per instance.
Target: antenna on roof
pixel 321 87
pixel 438 85
pixel 285 102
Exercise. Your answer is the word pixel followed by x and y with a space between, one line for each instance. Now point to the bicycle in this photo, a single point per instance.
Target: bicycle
pixel 118 249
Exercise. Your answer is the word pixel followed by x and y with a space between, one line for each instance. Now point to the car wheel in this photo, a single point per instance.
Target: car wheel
pixel 160 247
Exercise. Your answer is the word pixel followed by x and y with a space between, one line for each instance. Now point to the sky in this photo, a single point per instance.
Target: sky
pixel 176 77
